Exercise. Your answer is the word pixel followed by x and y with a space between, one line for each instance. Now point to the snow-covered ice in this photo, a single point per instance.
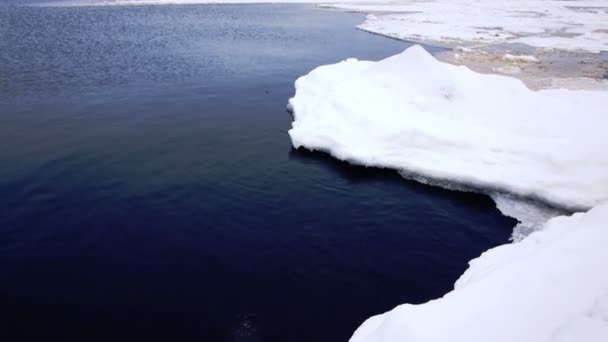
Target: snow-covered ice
pixel 552 286
pixel 566 40
pixel 413 113
pixel 562 24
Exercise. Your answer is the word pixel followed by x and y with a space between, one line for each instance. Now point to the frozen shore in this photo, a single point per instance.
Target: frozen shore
pixel 449 124
pixel 552 286
pixel 446 124
pixel 433 120
pixel 545 43
pixel 578 25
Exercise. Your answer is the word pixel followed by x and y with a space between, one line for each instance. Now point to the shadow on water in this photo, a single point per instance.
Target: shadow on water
pixel 359 174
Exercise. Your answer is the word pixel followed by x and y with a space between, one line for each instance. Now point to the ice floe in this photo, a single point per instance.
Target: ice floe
pixel 413 113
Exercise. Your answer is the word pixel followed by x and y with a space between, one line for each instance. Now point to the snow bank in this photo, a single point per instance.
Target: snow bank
pixel 413 113
pixel 560 24
pixel 552 286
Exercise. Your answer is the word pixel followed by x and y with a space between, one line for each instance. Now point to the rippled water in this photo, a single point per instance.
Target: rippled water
pixel 149 190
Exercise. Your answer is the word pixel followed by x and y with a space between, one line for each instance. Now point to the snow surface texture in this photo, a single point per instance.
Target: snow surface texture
pixel 552 286
pixel 562 24
pixel 413 113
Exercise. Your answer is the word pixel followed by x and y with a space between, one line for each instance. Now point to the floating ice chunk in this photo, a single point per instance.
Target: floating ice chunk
pixel 413 113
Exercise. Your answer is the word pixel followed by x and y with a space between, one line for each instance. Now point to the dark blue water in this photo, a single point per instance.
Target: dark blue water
pixel 148 189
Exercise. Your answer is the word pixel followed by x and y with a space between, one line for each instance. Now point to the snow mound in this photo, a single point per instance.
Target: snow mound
pixel 552 286
pixel 413 113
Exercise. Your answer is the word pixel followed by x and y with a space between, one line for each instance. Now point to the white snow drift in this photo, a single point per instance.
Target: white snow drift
pixel 413 113
pixel 552 286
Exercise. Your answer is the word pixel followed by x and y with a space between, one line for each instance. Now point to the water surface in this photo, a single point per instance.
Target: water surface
pixel 149 189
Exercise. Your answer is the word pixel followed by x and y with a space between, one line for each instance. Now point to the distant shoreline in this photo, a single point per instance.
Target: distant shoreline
pixel 540 67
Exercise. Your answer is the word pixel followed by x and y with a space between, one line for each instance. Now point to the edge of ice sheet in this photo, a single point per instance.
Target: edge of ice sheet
pixel 447 125
pixel 549 287
pixel 531 214
pixel 412 113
